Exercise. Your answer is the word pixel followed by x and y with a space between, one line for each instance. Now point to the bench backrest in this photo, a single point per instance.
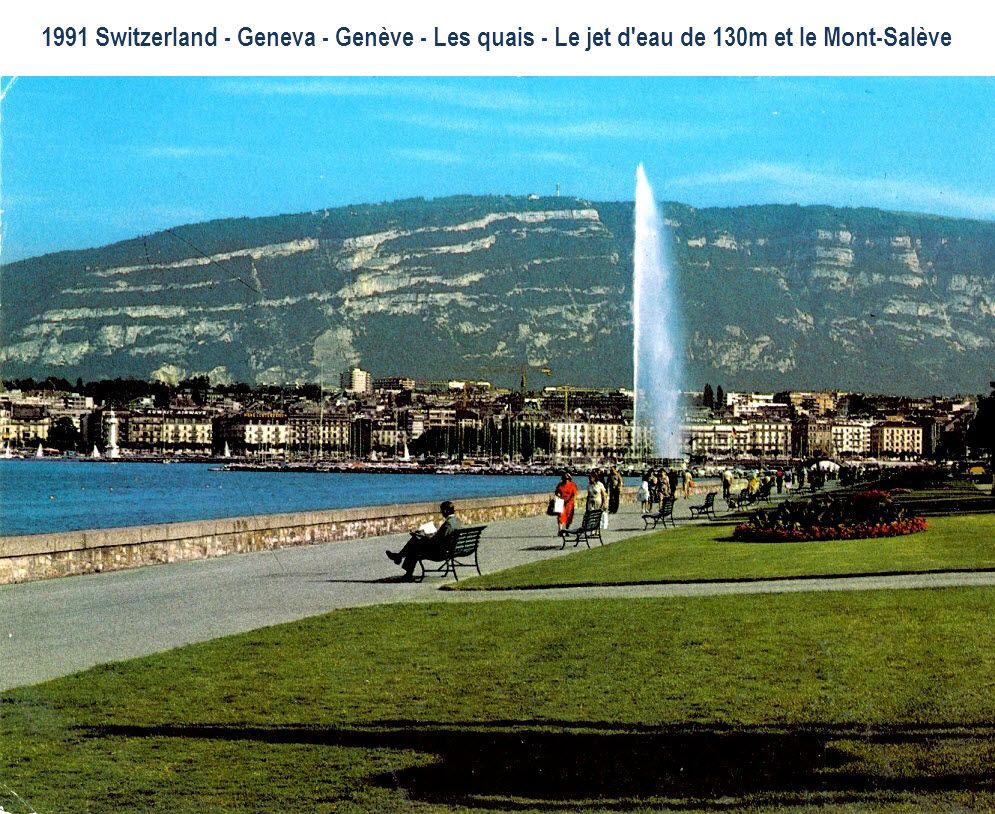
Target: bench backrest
pixel 467 539
pixel 710 499
pixel 667 506
pixel 592 519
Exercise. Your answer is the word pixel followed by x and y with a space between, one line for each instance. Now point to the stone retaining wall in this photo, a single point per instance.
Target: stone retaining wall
pixel 44 556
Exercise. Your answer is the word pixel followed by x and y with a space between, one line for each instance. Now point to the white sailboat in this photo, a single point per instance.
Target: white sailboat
pixel 407 455
pixel 227 452
pixel 7 454
pixel 96 452
pixel 40 452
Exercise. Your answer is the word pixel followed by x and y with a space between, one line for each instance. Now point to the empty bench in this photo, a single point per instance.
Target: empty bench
pixel 706 509
pixel 590 527
pixel 666 512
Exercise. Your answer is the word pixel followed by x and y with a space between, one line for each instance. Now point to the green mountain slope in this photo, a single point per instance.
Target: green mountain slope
pixel 773 296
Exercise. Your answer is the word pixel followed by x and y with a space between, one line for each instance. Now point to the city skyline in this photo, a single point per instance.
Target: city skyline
pixel 88 161
pixel 366 417
pixel 327 385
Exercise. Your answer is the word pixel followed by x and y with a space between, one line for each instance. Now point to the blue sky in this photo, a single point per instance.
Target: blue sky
pixel 87 161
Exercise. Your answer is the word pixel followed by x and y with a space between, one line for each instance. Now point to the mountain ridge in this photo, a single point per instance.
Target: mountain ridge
pixel 774 296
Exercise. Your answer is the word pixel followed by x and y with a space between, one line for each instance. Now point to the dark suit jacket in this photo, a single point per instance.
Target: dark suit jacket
pixel 439 544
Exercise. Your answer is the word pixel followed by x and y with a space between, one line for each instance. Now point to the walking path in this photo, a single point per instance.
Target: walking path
pixel 57 627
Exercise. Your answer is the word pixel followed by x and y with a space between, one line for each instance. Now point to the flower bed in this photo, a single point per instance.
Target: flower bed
pixel 855 516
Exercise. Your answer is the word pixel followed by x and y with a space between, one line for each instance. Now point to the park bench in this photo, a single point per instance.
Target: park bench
pixel 738 501
pixel 590 527
pixel 666 512
pixel 464 546
pixel 706 509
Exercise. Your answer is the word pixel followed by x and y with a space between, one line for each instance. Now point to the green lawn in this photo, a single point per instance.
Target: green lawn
pixel 953 498
pixel 706 552
pixel 853 701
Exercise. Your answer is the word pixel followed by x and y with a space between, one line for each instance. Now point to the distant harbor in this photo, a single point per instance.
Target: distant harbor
pixel 402 468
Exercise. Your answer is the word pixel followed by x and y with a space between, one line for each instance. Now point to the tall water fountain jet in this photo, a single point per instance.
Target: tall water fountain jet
pixel 657 347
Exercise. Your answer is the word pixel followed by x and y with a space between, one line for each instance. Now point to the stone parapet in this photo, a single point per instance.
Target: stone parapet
pixel 44 556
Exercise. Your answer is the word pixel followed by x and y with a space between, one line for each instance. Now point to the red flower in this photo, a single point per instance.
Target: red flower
pixel 842 531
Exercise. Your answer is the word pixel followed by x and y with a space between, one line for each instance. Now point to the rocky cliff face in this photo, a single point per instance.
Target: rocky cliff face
pixel 852 298
pixel 472 286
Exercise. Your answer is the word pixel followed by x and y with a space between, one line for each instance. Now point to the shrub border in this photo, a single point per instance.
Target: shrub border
pixel 746 533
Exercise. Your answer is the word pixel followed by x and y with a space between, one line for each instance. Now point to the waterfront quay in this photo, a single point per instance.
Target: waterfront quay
pixel 54 627
pixel 25 558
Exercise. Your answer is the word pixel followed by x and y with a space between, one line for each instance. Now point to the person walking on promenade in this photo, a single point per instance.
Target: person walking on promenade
pixel 566 490
pixel 429 547
pixel 672 477
pixel 688 484
pixel 653 482
pixel 597 497
pixel 663 487
pixel 597 494
pixel 643 494
pixel 780 480
pixel 614 489
pixel 726 483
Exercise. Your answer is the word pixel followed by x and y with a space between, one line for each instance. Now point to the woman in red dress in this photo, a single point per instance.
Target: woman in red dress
pixel 567 490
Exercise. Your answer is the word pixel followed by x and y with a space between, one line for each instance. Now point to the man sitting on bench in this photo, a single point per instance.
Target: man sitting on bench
pixel 422 546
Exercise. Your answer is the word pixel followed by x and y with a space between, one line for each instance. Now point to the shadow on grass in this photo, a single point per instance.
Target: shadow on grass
pixel 947 506
pixel 568 765
pixel 767 580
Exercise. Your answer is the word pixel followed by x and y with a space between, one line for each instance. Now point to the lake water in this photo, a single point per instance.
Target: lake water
pixel 38 496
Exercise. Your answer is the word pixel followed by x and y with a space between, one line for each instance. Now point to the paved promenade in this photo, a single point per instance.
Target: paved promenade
pixel 57 627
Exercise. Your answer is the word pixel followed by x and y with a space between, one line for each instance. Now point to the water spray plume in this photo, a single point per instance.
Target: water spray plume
pixel 657 344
